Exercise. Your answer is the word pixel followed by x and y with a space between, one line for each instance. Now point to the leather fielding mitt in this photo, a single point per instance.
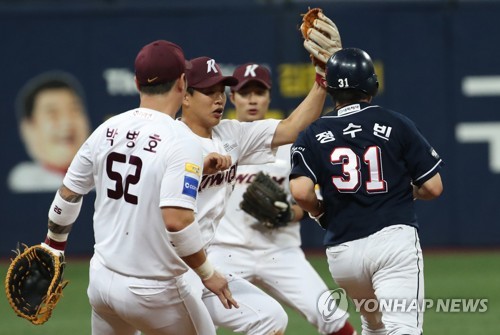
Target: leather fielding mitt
pixel 266 201
pixel 34 283
pixel 321 38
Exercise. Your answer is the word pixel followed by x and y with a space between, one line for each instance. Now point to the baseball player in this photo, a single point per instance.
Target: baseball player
pixel 241 143
pixel 146 169
pixel 371 164
pixel 271 258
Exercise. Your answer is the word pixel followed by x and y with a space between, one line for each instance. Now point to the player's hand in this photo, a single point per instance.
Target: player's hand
pixel 215 162
pixel 217 283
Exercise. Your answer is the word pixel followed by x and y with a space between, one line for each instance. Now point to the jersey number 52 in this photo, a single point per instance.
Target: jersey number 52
pixel 122 188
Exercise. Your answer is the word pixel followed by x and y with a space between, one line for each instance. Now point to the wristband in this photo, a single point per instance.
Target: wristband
pixel 186 241
pixel 55 241
pixel 205 270
pixel 62 212
pixel 317 217
pixel 320 80
pixel 53 250
pixel 321 211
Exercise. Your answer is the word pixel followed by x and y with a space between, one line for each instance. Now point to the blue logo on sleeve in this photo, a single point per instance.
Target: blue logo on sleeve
pixel 190 186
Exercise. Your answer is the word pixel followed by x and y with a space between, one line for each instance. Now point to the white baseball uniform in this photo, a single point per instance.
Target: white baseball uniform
pixel 246 143
pixel 271 258
pixel 139 161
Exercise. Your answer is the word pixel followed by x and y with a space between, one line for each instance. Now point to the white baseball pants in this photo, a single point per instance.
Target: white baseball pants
pixel 123 305
pixel 258 314
pixel 285 273
pixel 386 269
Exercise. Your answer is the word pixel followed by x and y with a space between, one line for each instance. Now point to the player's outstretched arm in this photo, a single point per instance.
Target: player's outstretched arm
pixel 185 236
pixel 322 39
pixel 308 111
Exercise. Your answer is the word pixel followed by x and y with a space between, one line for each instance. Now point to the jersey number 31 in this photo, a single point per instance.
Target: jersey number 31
pixel 350 182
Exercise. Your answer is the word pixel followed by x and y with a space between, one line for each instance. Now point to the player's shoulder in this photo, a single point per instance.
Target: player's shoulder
pixel 233 128
pixel 395 116
pixel 227 124
pixel 227 128
pixel 368 112
pixel 317 125
pixel 232 123
pixel 131 116
pixel 181 128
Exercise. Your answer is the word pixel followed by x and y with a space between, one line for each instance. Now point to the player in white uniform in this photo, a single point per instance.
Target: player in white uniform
pixel 140 161
pixel 244 143
pixel 271 258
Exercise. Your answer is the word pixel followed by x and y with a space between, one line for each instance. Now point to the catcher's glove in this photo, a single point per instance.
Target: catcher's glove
pixel 322 39
pixel 34 283
pixel 266 201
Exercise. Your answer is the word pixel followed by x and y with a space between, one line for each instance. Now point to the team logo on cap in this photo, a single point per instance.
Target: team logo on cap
pixel 211 66
pixel 250 70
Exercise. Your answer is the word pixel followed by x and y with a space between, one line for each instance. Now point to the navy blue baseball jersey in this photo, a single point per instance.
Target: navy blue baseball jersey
pixel 364 158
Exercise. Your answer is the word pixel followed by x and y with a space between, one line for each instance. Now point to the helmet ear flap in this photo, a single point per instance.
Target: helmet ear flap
pixel 372 85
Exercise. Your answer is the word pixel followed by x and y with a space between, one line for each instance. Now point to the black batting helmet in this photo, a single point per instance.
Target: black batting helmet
pixel 351 68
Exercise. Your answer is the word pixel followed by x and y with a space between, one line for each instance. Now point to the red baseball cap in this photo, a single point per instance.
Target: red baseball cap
pixel 159 62
pixel 205 72
pixel 251 72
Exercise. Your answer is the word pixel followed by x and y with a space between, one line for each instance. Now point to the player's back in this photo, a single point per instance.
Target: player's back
pixel 129 154
pixel 365 169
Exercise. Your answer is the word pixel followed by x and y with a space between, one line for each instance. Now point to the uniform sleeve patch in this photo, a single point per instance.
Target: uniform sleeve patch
pixel 193 168
pixel 190 186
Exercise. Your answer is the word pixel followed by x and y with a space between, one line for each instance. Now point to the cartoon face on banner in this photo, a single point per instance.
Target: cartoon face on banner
pixel 53 124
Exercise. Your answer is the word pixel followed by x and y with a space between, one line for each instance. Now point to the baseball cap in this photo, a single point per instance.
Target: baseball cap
pixel 205 72
pixel 159 62
pixel 251 72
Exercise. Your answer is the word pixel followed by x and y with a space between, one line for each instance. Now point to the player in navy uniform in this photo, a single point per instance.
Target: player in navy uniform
pixel 371 163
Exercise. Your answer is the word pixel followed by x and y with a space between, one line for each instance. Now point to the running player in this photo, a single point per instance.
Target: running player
pixel 146 169
pixel 271 258
pixel 241 143
pixel 371 163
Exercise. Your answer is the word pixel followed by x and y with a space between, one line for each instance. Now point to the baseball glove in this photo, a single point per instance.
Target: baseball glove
pixel 322 37
pixel 266 201
pixel 34 283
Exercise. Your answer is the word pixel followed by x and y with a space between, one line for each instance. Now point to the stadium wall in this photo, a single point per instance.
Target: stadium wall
pixel 438 63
